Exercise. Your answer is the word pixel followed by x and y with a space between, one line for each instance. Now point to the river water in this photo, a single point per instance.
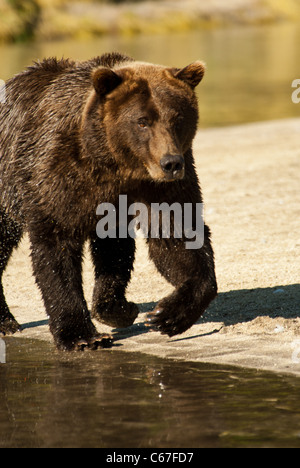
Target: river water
pixel 111 399
pixel 249 69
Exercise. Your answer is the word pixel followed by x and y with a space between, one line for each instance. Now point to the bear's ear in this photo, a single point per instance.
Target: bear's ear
pixel 192 74
pixel 105 81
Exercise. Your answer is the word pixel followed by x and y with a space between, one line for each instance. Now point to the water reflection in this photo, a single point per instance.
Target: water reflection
pixel 112 399
pixel 250 69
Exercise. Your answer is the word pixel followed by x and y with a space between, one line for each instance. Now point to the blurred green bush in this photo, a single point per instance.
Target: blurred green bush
pixel 59 19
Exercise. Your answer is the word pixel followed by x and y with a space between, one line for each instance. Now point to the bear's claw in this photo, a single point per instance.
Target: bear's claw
pixel 172 317
pixel 158 321
pixel 103 340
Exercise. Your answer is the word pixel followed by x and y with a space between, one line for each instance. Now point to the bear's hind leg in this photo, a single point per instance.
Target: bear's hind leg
pixel 10 235
pixel 113 260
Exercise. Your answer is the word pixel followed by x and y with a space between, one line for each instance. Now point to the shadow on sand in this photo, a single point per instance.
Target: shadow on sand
pixel 233 307
pixel 229 308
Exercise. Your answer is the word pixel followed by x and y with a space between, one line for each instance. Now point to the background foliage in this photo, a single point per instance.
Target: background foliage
pixel 58 19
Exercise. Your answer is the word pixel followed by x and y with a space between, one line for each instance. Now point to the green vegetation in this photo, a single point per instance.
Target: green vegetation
pixel 58 19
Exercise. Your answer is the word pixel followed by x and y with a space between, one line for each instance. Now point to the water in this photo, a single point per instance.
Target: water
pixel 111 399
pixel 250 69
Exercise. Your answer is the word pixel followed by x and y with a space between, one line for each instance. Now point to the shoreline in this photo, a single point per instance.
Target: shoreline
pixel 63 19
pixel 250 181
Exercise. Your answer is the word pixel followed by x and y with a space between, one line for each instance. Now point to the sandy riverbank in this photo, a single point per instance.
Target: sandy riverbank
pixel 250 181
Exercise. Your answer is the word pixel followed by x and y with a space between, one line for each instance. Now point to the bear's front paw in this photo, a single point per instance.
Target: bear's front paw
pixel 116 314
pixel 171 317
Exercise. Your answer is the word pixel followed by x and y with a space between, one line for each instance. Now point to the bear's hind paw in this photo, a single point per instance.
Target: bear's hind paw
pixel 116 314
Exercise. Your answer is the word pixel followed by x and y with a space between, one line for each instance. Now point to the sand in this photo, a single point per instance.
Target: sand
pixel 250 177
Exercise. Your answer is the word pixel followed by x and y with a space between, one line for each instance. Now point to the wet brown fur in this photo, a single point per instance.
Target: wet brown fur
pixel 74 135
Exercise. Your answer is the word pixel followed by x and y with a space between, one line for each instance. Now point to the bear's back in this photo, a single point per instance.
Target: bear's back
pixel 51 80
pixel 43 111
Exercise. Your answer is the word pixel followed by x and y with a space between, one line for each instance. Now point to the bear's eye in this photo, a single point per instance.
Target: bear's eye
pixel 143 124
pixel 179 119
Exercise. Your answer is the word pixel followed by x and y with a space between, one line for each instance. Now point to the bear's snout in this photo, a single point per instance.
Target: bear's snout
pixel 173 166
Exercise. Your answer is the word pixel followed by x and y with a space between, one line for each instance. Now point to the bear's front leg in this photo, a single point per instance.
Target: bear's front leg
pixel 192 272
pixel 57 263
pixel 113 261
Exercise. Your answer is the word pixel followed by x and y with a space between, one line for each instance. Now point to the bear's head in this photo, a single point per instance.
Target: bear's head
pixel 148 115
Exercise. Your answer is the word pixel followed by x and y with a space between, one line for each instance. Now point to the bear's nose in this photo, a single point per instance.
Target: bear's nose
pixel 173 166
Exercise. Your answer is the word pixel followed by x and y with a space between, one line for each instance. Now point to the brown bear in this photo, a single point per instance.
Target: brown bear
pixel 74 135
